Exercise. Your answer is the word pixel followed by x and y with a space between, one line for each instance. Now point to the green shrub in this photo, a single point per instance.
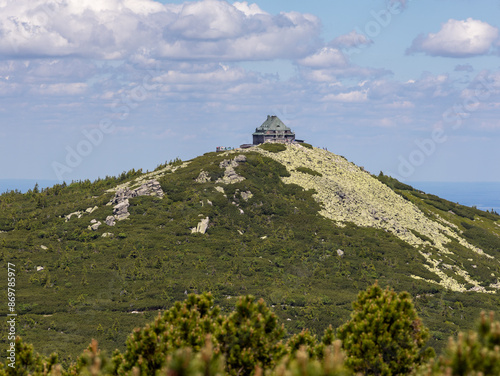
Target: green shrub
pixel 273 148
pixel 485 239
pixel 393 183
pixel 309 171
pixel 384 336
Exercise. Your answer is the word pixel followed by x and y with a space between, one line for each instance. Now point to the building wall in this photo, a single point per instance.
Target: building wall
pixel 260 139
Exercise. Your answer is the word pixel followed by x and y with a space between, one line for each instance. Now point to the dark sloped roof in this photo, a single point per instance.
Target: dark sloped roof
pixel 273 123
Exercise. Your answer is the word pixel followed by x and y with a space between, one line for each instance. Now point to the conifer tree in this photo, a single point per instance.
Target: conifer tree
pixel 186 324
pixel 384 336
pixel 473 353
pixel 251 336
pixel 301 364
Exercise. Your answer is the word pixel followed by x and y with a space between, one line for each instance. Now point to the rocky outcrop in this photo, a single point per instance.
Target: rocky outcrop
pixel 122 196
pixel 203 177
pixel 202 226
pixel 230 175
pixel 150 188
pixel 120 210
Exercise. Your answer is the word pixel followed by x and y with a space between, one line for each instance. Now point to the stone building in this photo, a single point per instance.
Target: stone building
pixel 273 129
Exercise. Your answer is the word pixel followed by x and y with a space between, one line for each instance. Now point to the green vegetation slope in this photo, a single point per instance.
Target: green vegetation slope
pixel 302 228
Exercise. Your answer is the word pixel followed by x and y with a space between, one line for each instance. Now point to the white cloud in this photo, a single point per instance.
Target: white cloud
pixel 119 29
pixel 248 10
pixel 352 39
pixel 458 38
pixel 325 58
pixel 76 88
pixel 349 97
pixel 400 105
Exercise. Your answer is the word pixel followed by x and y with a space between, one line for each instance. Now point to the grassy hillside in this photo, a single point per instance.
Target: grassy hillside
pixel 300 227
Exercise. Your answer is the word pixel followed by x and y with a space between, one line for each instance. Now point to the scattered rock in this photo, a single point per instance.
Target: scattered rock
pixel 110 220
pixel 39 268
pixel 201 228
pixel 340 253
pixel 108 235
pixel 246 195
pixel 210 203
pixel 203 177
pixel 77 213
pixel 264 237
pixel 95 226
pixel 44 247
pixel 240 232
pixel 240 158
pixel 221 190
pixel 477 289
pixel 91 210
pixel 93 221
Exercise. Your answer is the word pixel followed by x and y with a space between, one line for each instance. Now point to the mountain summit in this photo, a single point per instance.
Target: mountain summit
pixel 299 226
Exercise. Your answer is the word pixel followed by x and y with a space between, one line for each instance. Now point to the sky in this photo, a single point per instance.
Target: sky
pixel 93 88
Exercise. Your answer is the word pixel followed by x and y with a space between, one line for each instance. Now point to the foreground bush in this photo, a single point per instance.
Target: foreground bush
pixel 186 324
pixel 471 354
pixel 251 336
pixel 384 336
pixel 301 364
